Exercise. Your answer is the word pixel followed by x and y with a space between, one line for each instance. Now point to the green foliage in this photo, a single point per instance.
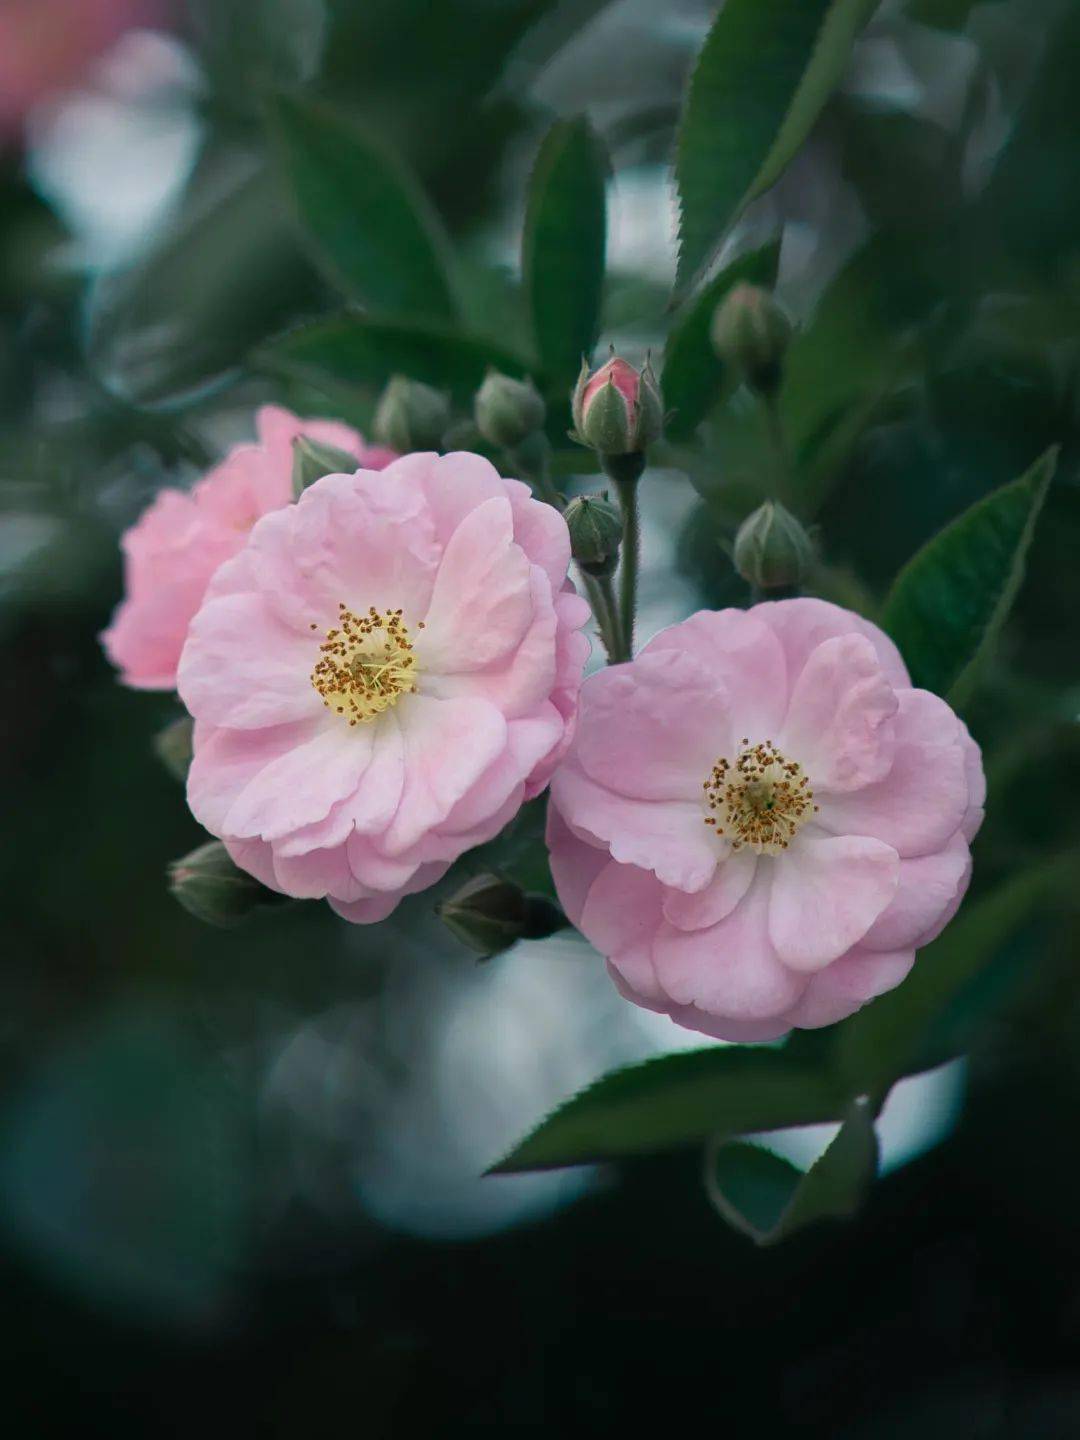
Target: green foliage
pixel 343 352
pixel 677 1100
pixel 563 247
pixel 694 377
pixel 949 603
pixel 364 216
pixel 765 71
pixel 768 1199
pixel 227 273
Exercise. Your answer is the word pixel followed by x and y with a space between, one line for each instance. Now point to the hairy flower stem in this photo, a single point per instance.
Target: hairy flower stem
pixel 778 441
pixel 613 639
pixel 629 564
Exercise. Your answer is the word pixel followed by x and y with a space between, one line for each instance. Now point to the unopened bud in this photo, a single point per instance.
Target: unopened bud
pixel 173 746
pixel 490 914
pixel 210 886
pixel 751 333
pixel 312 459
pixel 619 410
pixel 508 410
pixel 772 550
pixel 411 416
pixel 595 527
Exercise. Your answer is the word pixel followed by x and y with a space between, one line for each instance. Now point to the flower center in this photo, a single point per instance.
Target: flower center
pixel 365 665
pixel 761 801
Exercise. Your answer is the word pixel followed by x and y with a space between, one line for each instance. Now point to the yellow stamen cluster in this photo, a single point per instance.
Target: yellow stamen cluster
pixel 761 801
pixel 366 663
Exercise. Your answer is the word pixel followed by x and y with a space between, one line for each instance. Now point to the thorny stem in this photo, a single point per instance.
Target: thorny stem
pixel 629 564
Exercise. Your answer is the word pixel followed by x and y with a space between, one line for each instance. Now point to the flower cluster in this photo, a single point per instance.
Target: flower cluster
pixel 758 821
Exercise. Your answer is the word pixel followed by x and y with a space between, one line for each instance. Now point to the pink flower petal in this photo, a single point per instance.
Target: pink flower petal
pixel 927 891
pixel 669 838
pixel 826 893
pixel 839 723
pixel 734 648
pixel 241 667
pixel 711 905
pixel 802 625
pixel 848 984
pixel 449 745
pixel 923 801
pixel 653 730
pixel 481 604
pixel 731 969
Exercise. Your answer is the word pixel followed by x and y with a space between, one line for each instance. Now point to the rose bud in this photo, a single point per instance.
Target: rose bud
pixel 173 746
pixel 489 914
pixel 508 411
pixel 212 888
pixel 312 459
pixel 772 550
pixel 618 411
pixel 751 333
pixel 595 527
pixel 411 416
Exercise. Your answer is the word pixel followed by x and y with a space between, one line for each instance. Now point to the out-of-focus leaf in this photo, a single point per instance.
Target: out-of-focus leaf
pixel 365 218
pixel 942 14
pixel 918 1025
pixel 563 246
pixel 765 71
pixel 173 746
pixel 347 351
pixel 858 333
pixel 677 1100
pixel 693 374
pixel 768 1198
pixel 948 604
pixel 247 48
pixel 228 273
pixel 124 1166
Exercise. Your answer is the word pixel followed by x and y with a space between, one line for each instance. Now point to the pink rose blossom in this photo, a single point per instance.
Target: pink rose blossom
pixel 46 45
pixel 174 548
pixel 759 821
pixel 381 677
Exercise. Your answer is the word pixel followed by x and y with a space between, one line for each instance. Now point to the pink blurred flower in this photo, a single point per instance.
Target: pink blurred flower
pixel 174 548
pixel 381 677
pixel 759 821
pixel 46 45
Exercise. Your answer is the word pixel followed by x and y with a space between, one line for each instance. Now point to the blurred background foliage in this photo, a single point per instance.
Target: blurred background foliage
pixel 251 1158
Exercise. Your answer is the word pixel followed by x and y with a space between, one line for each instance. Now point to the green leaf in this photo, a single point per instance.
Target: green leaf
pixel 227 274
pixel 768 1198
pixel 367 223
pixel 346 352
pixel 676 1100
pixel 693 374
pixel 563 247
pixel 764 73
pixel 948 604
pixel 919 1024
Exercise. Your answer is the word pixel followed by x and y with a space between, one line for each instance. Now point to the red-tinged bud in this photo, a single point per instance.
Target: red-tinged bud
pixel 617 411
